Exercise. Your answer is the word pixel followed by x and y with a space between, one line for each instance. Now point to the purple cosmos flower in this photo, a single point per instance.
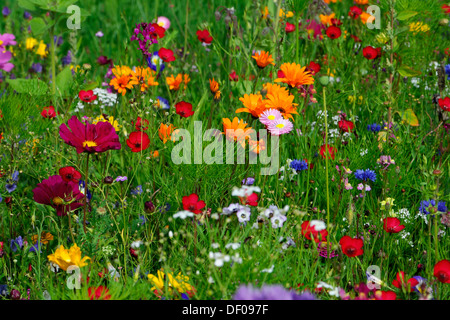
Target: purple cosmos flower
pixel 269 292
pixel 4 61
pixel 163 22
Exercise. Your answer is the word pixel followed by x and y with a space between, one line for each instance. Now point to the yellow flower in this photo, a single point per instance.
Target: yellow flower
pixel 111 120
pixel 30 43
pixel 45 237
pixel 286 15
pixel 326 19
pixel 167 283
pixel 382 38
pixel 416 27
pixel 65 258
pixel 42 49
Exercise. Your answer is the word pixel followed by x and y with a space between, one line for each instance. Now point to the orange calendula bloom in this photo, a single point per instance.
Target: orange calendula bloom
pixel 295 75
pixel 174 83
pixel 165 132
pixel 364 17
pixel 256 146
pixel 263 59
pixel 326 19
pixel 236 130
pixel 186 79
pixel 361 1
pixel 122 80
pixel 145 77
pixel 214 87
pixel 265 12
pixel 283 103
pixel 253 104
pixel 275 89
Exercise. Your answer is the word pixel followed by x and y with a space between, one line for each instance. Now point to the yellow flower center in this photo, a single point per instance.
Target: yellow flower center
pixel 1 42
pixel 58 200
pixel 271 117
pixel 161 24
pixel 89 144
pixel 280 125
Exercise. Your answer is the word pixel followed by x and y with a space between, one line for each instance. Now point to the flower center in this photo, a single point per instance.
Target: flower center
pixel 58 201
pixel 350 250
pixel 443 277
pixel 1 42
pixel 280 125
pixel 271 117
pixel 89 144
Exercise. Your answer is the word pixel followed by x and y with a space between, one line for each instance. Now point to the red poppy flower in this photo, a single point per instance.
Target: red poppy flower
pixel 280 74
pixel 444 104
pixel 370 53
pixel 355 12
pixel 252 200
pixel 48 112
pixel 87 96
pixel 446 8
pixel 336 22
pixel 442 271
pixel 334 32
pixel 385 295
pixel 204 36
pixel 400 282
pixel 317 236
pixel 345 125
pixel 184 109
pixel 158 31
pixel 88 137
pixel 289 27
pixel 192 204
pixel 233 76
pixel 99 293
pixel 351 247
pixel 70 174
pixel 392 225
pixel 138 141
pixel 329 150
pixel 59 194
pixel 355 38
pixel 139 124
pixel 166 55
pixel 313 68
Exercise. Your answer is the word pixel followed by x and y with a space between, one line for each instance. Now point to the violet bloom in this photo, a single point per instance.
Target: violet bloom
pixel 36 67
pixel 6 11
pixel 66 60
pixel 121 179
pixel 88 137
pixel 11 184
pixel 99 34
pixel 4 61
pixel 27 15
pixel 58 40
pixel 143 33
pixel 248 181
pixel 59 194
pixel 16 244
pixel 7 39
pixel 269 292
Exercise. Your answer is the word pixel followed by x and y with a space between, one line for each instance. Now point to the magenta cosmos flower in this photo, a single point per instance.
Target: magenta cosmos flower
pixel 7 39
pixel 89 137
pixel 4 61
pixel 59 194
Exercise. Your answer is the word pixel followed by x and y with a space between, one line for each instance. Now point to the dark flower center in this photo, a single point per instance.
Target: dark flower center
pixel 191 207
pixel 350 250
pixel 443 277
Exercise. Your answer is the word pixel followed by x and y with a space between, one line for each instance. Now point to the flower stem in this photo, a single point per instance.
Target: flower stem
pixel 85 192
pixel 326 153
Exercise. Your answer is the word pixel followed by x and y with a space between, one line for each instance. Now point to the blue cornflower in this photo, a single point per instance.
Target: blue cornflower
pixel 143 219
pixel 16 244
pixel 163 103
pixel 137 191
pixel 4 290
pixel 447 71
pixel 154 62
pixel 424 205
pixel 36 247
pixel 11 184
pixel 84 190
pixel 298 165
pixel 374 127
pixel 365 175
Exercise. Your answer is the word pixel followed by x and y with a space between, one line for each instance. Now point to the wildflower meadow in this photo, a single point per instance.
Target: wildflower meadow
pixel 224 150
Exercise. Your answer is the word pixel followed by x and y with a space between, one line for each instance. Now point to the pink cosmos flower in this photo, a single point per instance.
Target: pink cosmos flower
pixel 4 61
pixel 269 116
pixel 163 22
pixel 7 39
pixel 280 126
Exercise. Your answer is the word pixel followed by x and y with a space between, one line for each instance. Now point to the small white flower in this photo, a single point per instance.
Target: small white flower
pixel 214 245
pixel 245 191
pixel 232 208
pixel 243 214
pixel 136 244
pixel 278 220
pixel 269 270
pixel 183 214
pixel 319 225
pixel 233 246
pixel 170 234
pixel 210 280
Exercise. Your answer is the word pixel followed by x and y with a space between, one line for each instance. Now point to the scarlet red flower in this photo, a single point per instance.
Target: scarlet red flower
pixel 370 53
pixel 192 204
pixel 442 271
pixel 392 225
pixel 59 194
pixel 345 125
pixel 204 36
pixel 166 55
pixel 290 27
pixel 317 236
pixel 139 124
pixel 158 31
pixel 313 68
pixel 355 38
pixel 400 282
pixel 88 137
pixel 355 12
pixel 444 104
pixel 280 74
pixel 336 22
pixel 446 8
pixel 87 96
pixel 138 141
pixel 334 32
pixel 48 112
pixel 233 76
pixel 329 150
pixel 99 293
pixel 385 295
pixel 184 109
pixel 252 200
pixel 70 174
pixel 351 247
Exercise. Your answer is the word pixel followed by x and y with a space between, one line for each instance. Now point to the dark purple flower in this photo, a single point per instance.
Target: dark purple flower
pixel 58 40
pixel 66 60
pixel 269 292
pixel 36 67
pixel 16 244
pixel 6 11
pixel 248 181
pixel 27 15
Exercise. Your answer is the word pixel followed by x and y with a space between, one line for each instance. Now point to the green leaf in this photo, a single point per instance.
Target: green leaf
pixel 27 5
pixel 405 15
pixel 34 87
pixel 406 71
pixel 64 80
pixel 409 117
pixel 90 86
pixel 38 26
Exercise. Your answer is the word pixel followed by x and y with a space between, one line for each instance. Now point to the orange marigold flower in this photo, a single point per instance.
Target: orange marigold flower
pixel 295 75
pixel 174 83
pixel 253 104
pixel 326 19
pixel 364 17
pixel 236 130
pixel 214 87
pixel 121 84
pixel 165 132
pixel 275 89
pixel 361 1
pixel 145 77
pixel 263 59
pixel 186 79
pixel 283 103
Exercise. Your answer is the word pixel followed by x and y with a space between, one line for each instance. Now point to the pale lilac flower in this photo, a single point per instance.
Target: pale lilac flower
pixel 269 116
pixel 99 34
pixel 232 208
pixel 360 186
pixel 121 178
pixel 278 220
pixel 367 187
pixel 347 185
pixel 243 214
pixel 280 126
